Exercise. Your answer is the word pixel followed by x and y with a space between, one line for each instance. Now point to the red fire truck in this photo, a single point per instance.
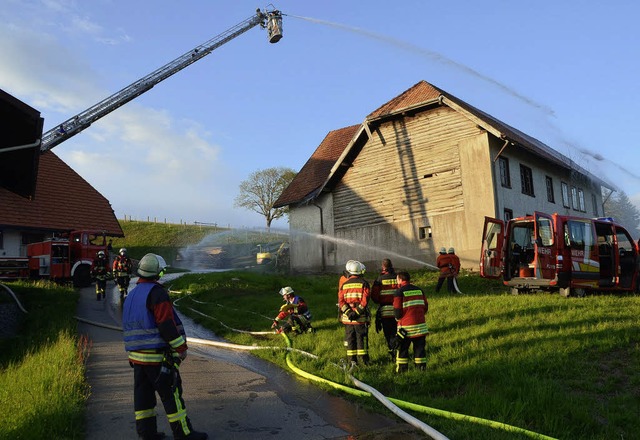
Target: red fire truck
pixel 555 252
pixel 66 258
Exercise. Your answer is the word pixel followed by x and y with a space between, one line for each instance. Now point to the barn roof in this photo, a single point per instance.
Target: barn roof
pixel 318 173
pixel 63 201
pixel 311 178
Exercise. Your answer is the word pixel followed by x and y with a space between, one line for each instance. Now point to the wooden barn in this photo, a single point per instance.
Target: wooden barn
pixel 420 173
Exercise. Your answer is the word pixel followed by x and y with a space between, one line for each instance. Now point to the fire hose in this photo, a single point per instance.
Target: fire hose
pixel 392 404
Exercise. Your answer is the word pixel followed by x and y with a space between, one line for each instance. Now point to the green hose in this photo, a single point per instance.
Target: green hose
pixel 412 406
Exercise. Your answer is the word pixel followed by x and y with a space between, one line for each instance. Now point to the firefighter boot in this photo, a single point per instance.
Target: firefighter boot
pixel 179 434
pixel 147 429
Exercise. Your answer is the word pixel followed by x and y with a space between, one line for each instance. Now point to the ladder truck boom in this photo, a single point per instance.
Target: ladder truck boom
pixel 271 20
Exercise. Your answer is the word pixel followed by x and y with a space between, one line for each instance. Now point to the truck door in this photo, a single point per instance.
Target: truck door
pixel 627 259
pixel 492 243
pixel 545 248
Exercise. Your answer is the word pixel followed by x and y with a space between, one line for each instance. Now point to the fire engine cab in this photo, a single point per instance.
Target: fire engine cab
pixel 569 254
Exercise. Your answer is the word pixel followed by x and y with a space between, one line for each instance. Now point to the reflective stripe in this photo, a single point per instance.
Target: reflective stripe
pixel 386 311
pixel 145 413
pixel 416 329
pixel 146 357
pixel 177 342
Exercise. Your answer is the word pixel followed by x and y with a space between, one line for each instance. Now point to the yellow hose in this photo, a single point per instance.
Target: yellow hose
pixel 412 406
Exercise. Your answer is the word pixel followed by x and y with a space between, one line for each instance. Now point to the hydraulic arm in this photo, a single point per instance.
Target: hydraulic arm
pixel 271 20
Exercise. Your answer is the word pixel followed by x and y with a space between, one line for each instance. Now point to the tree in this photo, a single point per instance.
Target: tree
pixel 624 212
pixel 261 190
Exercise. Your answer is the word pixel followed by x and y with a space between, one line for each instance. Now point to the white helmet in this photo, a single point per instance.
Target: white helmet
pixel 122 251
pixel 286 291
pixel 443 250
pixel 151 266
pixel 355 267
pixel 101 254
pixel 452 250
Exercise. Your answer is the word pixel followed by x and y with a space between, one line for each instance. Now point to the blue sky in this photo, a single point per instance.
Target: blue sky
pixel 564 72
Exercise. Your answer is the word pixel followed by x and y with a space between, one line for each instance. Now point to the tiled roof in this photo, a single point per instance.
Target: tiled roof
pixel 63 201
pixel 419 93
pixel 315 172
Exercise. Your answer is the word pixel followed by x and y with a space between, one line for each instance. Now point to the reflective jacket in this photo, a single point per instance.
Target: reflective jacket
pixel 296 307
pixel 151 327
pixel 354 294
pixel 382 293
pixel 122 266
pixel 410 305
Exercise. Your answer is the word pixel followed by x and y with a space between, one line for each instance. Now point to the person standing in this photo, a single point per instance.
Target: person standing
pixel 410 307
pixel 443 262
pixel 294 315
pixel 353 298
pixel 122 267
pixel 156 343
pixel 382 292
pixel 99 271
pixel 454 261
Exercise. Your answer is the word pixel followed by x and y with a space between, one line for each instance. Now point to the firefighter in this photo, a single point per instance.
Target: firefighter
pixel 353 298
pixel 454 261
pixel 294 315
pixel 410 307
pixel 122 267
pixel 156 342
pixel 382 292
pixel 443 262
pixel 99 271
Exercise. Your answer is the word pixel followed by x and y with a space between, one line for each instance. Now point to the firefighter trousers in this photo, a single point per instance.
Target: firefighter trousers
pixel 149 380
pixel 356 341
pixel 390 328
pixel 419 353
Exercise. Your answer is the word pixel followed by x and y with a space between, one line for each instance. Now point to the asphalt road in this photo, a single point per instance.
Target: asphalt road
pixel 228 394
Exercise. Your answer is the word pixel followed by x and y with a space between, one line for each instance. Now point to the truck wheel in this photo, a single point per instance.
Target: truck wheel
pixel 82 277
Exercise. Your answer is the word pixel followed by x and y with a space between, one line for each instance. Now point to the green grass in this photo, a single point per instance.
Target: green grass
pixel 42 385
pixel 566 368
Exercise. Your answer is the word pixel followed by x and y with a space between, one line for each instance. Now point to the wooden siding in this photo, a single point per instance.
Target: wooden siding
pixel 409 169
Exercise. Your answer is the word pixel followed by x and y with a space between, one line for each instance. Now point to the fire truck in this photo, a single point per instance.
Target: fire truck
pixel 571 255
pixel 63 258
pixel 66 258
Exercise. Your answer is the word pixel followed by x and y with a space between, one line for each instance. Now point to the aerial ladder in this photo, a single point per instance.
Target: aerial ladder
pixel 271 20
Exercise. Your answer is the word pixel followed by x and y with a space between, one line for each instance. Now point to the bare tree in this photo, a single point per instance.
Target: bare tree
pixel 261 190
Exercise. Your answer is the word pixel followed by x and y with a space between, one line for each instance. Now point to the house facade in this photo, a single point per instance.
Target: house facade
pixel 420 173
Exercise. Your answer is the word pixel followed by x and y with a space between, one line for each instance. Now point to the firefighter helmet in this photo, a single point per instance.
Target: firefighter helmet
pixel 443 250
pixel 452 250
pixel 122 251
pixel 355 267
pixel 286 291
pixel 151 266
pixel 101 254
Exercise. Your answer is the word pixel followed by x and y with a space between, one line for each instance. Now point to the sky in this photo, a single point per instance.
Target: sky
pixel 566 72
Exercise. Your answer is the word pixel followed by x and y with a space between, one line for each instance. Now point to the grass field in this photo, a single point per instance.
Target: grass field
pixel 42 386
pixel 563 367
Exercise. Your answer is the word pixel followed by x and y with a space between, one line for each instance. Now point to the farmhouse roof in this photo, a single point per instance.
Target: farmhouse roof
pixel 311 178
pixel 318 174
pixel 63 201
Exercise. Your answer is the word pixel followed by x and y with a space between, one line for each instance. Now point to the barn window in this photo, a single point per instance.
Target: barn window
pixel 505 177
pixel 581 201
pixel 574 198
pixel 424 232
pixel 565 194
pixel 550 197
pixel 526 180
